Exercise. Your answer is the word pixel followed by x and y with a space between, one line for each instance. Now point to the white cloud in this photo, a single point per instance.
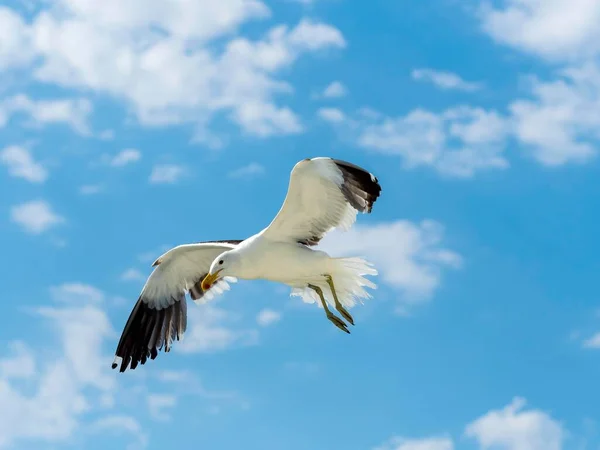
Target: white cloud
pixel 75 293
pixel 166 173
pixel 202 20
pixel 249 171
pixel 409 256
pixel 557 30
pixel 162 62
pixel 72 112
pixel 513 428
pixel 332 115
pixel 444 80
pixel 457 142
pixel 116 423
pixel 133 275
pixel 83 330
pixel 16 49
pixel 66 375
pixel 125 157
pixel 21 364
pixel 21 164
pixel 106 135
pixel 592 342
pixel 431 443
pixel 309 35
pixel 510 428
pixel 268 317
pixel 562 121
pixel 209 331
pixel 158 403
pixel 184 383
pixel 557 124
pixel 174 376
pixel 90 189
pixel 35 216
pixel 335 90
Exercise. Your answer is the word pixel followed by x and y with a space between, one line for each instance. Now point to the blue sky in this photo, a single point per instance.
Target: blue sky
pixel 128 127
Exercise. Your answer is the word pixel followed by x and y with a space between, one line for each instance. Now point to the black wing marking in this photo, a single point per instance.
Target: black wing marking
pixel 360 188
pixel 149 330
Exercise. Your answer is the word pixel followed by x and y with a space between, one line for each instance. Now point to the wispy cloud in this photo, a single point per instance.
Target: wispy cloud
pixel 530 26
pixel 558 123
pixel 515 428
pixel 214 329
pixel 457 142
pixel 159 406
pixel 74 292
pixel 19 364
pixel 125 157
pixel 332 115
pixel 65 385
pixel 244 76
pixel 335 90
pixel 106 135
pixel 429 443
pixel 592 342
pixel 36 216
pixel 510 428
pixel 119 423
pixel 268 317
pixel 90 189
pixel 445 80
pixel 250 171
pixel 166 173
pixel 555 124
pixel 132 275
pixel 409 256
pixel 73 112
pixel 20 164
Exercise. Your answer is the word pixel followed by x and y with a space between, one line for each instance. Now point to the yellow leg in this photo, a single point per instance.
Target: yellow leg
pixel 333 318
pixel 338 304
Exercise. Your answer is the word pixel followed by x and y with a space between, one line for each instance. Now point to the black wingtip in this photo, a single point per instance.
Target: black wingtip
pixel 361 188
pixel 149 330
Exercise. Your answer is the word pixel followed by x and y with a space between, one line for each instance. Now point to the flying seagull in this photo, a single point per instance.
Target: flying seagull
pixel 323 194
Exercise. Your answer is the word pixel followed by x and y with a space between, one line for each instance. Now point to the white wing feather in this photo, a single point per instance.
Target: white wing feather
pixel 159 317
pixel 322 194
pixel 179 270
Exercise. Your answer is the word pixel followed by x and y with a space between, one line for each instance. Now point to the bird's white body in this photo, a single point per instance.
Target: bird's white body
pixel 323 194
pixel 284 262
pixel 297 266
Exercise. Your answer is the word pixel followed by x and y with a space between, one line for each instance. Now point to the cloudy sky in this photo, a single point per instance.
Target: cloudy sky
pixel 130 126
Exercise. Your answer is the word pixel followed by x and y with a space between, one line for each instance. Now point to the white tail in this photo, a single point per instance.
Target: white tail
pixel 348 279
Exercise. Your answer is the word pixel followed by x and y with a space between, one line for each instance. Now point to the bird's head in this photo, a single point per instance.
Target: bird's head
pixel 225 265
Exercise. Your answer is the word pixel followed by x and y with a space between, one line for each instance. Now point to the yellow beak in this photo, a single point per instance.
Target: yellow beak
pixel 209 280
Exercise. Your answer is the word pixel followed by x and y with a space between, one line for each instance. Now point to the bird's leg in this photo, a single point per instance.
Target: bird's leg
pixel 333 318
pixel 338 304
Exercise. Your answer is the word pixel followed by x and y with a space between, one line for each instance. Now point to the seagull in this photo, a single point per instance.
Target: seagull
pixel 323 194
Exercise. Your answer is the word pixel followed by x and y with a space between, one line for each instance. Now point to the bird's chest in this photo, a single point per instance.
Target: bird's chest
pixel 283 263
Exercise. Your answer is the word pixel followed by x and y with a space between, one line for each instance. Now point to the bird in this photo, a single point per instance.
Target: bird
pixel 323 194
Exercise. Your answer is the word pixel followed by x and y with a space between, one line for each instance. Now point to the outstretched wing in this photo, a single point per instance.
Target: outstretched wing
pixel 323 194
pixel 160 314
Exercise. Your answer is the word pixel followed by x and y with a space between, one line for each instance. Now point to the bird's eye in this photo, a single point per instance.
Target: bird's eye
pixel 221 262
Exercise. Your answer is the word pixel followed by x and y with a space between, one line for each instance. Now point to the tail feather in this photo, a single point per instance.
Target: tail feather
pixel 348 276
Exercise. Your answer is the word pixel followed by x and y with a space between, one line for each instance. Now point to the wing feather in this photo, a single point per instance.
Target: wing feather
pixel 159 316
pixel 323 194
